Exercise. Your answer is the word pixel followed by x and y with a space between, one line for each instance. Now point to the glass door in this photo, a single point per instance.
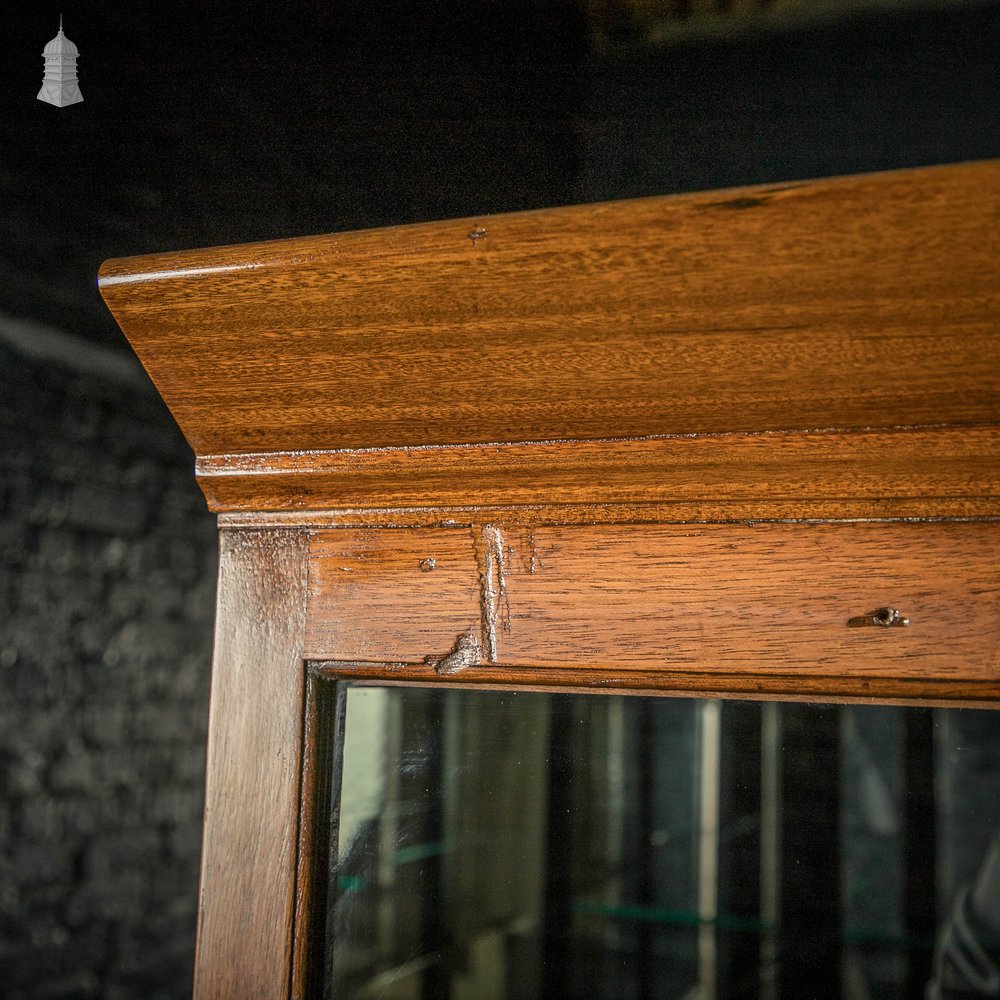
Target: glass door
pixel 534 845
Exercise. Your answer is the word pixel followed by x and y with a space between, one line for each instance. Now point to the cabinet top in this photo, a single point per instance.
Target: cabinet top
pixel 823 348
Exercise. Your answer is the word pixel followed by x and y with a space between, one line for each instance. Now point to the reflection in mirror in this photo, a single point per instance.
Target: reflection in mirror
pixel 505 846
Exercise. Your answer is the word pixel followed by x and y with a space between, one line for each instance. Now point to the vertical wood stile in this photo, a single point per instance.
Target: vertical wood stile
pixel 255 737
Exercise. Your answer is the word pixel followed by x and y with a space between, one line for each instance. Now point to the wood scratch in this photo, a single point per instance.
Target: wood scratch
pixel 507 560
pixel 494 609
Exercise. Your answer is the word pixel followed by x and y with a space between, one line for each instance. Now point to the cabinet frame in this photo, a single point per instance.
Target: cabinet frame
pixel 733 426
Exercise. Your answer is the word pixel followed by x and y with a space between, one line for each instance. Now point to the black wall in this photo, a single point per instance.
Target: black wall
pixel 106 599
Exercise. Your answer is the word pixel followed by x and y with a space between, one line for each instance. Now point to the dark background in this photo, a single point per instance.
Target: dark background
pixel 216 123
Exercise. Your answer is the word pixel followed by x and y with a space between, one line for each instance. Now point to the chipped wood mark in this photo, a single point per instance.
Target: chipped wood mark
pixel 465 653
pixel 492 558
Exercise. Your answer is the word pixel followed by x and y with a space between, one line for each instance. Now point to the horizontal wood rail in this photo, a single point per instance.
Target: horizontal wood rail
pixel 667 606
pixel 874 473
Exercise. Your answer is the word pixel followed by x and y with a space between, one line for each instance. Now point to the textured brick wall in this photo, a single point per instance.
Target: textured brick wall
pixel 107 578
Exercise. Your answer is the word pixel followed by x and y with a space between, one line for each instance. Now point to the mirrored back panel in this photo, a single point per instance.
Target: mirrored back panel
pixel 516 845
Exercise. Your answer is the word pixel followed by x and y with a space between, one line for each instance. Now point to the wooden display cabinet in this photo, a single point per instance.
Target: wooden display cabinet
pixel 740 444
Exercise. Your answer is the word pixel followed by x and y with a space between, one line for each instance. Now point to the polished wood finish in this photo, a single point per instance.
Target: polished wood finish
pixel 315 373
pixel 598 602
pixel 374 594
pixel 319 820
pixel 743 685
pixel 254 747
pixel 691 446
pixel 905 472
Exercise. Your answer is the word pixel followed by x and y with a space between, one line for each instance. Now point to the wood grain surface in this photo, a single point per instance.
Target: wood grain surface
pixel 771 603
pixel 462 443
pixel 251 801
pixel 319 818
pixel 856 305
pixel 906 472
pixel 409 587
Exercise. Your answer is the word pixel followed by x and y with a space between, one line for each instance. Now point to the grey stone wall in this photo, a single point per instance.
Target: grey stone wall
pixel 107 573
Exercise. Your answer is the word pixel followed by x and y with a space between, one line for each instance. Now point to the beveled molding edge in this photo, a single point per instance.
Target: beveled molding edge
pixel 550 515
pixel 729 685
pixel 950 472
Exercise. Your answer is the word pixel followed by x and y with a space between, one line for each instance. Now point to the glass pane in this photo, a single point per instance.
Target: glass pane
pixel 498 846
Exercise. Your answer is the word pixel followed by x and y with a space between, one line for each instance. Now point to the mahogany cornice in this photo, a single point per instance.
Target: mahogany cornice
pixel 821 349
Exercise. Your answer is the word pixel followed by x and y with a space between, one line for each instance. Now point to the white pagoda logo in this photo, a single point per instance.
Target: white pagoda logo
pixel 59 86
